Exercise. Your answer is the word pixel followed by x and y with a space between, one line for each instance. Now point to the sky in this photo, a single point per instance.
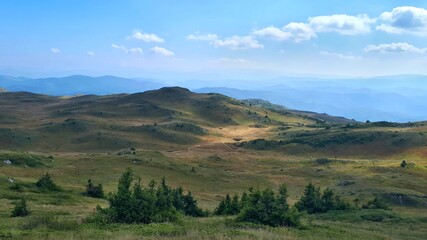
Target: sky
pixel 193 39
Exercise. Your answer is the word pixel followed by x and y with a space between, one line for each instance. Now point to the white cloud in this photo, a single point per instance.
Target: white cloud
pixel 136 50
pixel 404 19
pixel 273 32
pixel 293 31
pixel 55 50
pixel 238 42
pixel 342 24
pixel 205 37
pixel 146 37
pixel 118 47
pixel 340 56
pixel 235 42
pixel 162 51
pixel 90 53
pixel 299 31
pixel 395 48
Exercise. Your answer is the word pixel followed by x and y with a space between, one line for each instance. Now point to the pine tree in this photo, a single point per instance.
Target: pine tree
pixel 46 184
pixel 220 210
pixel 266 207
pixel 311 200
pixel 20 209
pixel 314 202
pixel 234 205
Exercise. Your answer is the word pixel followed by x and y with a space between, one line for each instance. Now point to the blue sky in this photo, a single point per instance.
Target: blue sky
pixel 213 39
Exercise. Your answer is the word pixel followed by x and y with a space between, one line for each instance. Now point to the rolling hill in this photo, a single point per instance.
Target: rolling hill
pixel 211 145
pixel 173 117
pixel 399 98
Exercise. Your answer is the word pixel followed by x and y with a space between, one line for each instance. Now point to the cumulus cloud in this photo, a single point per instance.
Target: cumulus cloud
pixel 299 31
pixel 136 50
pixel 146 37
pixel 342 24
pixel 202 37
pixel 404 19
pixel 121 47
pixel 340 56
pixel 55 50
pixel 395 48
pixel 162 51
pixel 90 53
pixel 238 42
pixel 296 32
pixel 273 32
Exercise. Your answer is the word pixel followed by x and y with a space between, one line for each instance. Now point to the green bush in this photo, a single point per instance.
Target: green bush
pixel 229 206
pixel 94 191
pixel 267 208
pixel 133 203
pixel 313 201
pixel 376 203
pixel 46 184
pixel 16 187
pixel 20 209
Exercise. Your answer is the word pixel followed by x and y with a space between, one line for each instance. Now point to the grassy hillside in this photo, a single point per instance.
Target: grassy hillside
pixel 212 145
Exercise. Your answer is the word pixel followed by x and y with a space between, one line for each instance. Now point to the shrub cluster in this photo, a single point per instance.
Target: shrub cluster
pixel 376 203
pixel 94 191
pixel 133 203
pixel 261 207
pixel 46 184
pixel 313 201
pixel 230 206
pixel 270 208
pixel 20 209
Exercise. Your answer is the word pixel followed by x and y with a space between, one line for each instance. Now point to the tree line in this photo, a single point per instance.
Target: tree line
pixel 158 202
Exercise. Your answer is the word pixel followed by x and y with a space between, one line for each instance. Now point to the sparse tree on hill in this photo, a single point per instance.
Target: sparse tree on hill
pixel 20 209
pixel 376 203
pixel 45 183
pixel 314 202
pixel 266 207
pixel 94 191
pixel 156 203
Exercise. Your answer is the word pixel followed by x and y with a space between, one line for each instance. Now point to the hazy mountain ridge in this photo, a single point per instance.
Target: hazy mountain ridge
pixel 391 98
pixel 78 84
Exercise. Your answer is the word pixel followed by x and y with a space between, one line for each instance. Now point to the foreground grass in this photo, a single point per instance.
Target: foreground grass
pixel 217 173
pixel 335 225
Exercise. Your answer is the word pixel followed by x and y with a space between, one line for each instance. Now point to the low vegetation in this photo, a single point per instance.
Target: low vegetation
pixel 313 201
pixel 133 203
pixel 20 209
pixel 46 184
pixel 94 191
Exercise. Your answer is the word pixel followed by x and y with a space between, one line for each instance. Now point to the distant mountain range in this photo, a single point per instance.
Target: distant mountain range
pixel 78 85
pixel 400 98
